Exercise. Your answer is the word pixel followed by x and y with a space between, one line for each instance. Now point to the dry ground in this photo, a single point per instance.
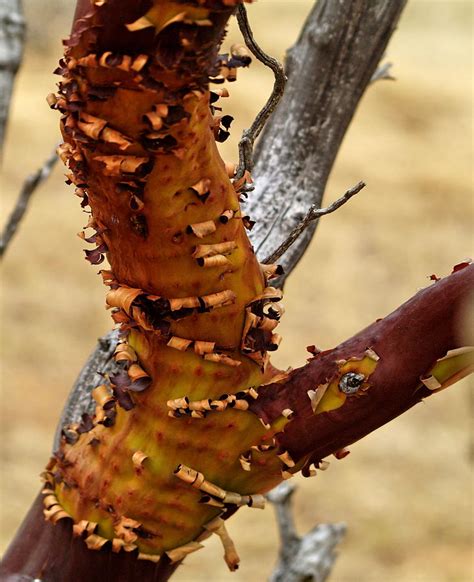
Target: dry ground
pixel 405 491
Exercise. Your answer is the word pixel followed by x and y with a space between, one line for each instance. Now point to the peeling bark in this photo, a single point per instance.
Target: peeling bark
pixel 131 510
pixel 408 343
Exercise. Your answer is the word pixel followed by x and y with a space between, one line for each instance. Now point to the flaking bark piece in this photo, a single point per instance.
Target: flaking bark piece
pixel 96 256
pixel 84 526
pixel 120 386
pixel 95 542
pixel 125 353
pixel 138 458
pixel 155 558
pixel 431 383
pixel 240 184
pixel 316 395
pixel 215 261
pixel 125 529
pixel 184 303
pixel 179 343
pixel 222 359
pixel 202 188
pixel 202 347
pixel 113 136
pixel 220 299
pixel 123 297
pixel 140 380
pixel 180 553
pixel 286 459
pixel 119 545
pixel 270 294
pixel 103 396
pixel 159 17
pixel 226 216
pixel 55 514
pixel 204 251
pixel 156 116
pixel 217 526
pixel 202 229
pixel 240 53
pixel 118 165
pixel 90 125
pixel 272 271
pixel 245 461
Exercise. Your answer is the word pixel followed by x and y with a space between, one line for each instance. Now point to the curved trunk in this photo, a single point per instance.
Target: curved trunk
pixel 193 422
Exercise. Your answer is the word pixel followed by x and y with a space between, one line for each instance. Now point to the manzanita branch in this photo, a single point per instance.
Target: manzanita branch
pixel 29 187
pixel 344 394
pixel 195 424
pixel 314 213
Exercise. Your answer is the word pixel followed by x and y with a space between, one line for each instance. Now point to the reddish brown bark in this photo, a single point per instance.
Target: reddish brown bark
pixel 409 341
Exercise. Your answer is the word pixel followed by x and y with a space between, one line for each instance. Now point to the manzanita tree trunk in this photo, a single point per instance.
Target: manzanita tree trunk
pixel 195 422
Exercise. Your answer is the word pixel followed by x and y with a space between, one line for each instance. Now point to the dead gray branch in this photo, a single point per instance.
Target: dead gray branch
pixel 12 34
pixel 328 70
pixel 309 558
pixel 29 187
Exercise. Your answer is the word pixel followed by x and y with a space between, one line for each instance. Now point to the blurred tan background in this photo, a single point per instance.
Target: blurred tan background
pixel 405 492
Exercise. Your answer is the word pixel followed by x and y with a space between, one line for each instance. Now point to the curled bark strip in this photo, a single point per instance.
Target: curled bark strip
pixel 198 481
pixel 217 526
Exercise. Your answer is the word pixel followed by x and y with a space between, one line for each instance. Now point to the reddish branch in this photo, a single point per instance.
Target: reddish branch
pixel 409 341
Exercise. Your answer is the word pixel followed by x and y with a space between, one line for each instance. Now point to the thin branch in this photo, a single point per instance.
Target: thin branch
pixel 313 214
pixel 382 73
pixel 29 187
pixel 307 558
pixel 250 135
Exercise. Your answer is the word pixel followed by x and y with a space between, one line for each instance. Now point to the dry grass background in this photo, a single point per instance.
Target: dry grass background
pixel 405 492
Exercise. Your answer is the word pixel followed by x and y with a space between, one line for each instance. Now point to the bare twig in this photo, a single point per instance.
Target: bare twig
pixel 250 135
pixel 313 214
pixel 29 186
pixel 12 33
pixel 307 558
pixel 382 73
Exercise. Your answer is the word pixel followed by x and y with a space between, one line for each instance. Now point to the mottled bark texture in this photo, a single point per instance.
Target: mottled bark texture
pixel 195 422
pixel 12 30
